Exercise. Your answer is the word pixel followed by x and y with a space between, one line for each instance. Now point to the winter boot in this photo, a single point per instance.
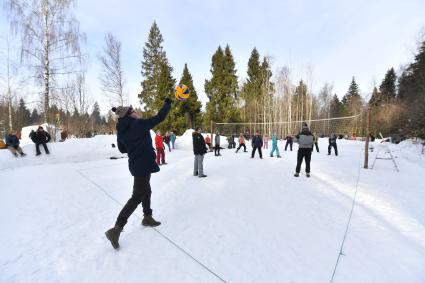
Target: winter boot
pixel 296 174
pixel 202 176
pixel 279 156
pixel 113 235
pixel 149 221
pixel 307 174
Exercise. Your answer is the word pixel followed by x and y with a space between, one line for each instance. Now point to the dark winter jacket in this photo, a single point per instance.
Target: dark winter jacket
pixel 257 141
pixel 167 139
pixel 332 140
pixel 134 138
pixel 12 140
pixel 199 146
pixel 41 137
pixel 305 138
pixel 289 139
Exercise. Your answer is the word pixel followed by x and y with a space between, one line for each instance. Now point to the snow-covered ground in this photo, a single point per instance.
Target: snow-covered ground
pixel 250 220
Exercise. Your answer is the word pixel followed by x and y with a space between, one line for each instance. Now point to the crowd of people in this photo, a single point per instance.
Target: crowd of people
pixel 133 138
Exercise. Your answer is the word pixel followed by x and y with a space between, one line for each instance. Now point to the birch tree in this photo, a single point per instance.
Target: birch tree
pixel 50 40
pixel 112 76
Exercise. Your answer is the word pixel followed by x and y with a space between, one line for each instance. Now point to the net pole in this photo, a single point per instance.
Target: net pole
pixel 366 147
pixel 212 132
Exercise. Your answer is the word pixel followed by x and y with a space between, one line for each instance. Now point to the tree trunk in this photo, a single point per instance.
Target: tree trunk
pixel 46 60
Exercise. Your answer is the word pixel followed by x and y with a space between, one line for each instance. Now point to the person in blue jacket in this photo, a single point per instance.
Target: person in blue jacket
pixel 274 146
pixel 133 138
pixel 12 143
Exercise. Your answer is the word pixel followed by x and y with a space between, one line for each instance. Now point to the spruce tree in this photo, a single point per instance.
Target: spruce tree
pixel 336 107
pixel 96 119
pixel 188 111
pixel 156 71
pixel 352 100
pixel 388 86
pixel 222 88
pixel 252 86
pixel 375 98
pixel 23 115
pixel 412 95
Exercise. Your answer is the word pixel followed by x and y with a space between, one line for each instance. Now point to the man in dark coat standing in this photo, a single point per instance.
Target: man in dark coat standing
pixel 133 138
pixel 257 143
pixel 40 137
pixel 289 141
pixel 199 149
pixel 305 147
pixel 332 143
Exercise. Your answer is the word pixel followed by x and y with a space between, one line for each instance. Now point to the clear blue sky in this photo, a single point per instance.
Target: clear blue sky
pixel 338 39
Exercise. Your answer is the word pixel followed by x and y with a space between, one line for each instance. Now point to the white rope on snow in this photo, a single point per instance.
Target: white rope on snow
pixel 348 223
pixel 155 229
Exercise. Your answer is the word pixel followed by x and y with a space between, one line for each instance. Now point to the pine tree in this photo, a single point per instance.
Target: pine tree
pixel 387 88
pixel 23 115
pixel 35 117
pixel 336 107
pixel 252 86
pixel 412 95
pixel 375 98
pixel 156 71
pixel 188 112
pixel 222 88
pixel 352 100
pixel 95 118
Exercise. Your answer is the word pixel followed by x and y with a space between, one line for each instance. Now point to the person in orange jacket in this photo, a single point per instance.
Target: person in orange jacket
pixel 208 142
pixel 159 145
pixel 241 143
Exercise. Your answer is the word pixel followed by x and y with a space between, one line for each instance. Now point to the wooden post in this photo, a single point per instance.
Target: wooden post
pixel 366 149
pixel 212 132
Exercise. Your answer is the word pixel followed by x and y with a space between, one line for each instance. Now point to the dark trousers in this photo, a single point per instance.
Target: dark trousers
pixel 304 153
pixel 259 151
pixel 141 194
pixel 160 156
pixel 217 150
pixel 241 145
pixel 168 144
pixel 288 143
pixel 335 148
pixel 317 146
pixel 37 148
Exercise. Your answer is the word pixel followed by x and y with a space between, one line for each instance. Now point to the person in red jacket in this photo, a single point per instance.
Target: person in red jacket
pixel 208 142
pixel 159 145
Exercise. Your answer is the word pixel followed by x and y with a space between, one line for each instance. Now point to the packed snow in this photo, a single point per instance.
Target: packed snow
pixel 250 220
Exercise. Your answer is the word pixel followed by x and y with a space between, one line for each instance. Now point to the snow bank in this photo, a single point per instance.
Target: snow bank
pixel 72 150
